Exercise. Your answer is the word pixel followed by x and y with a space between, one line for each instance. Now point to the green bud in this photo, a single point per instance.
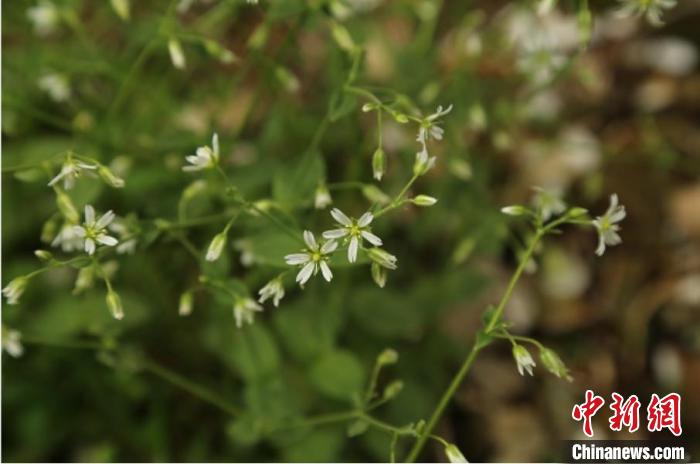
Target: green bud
pixel 219 52
pixel 424 200
pixel 454 454
pixel 375 194
pixel 85 279
pixel 109 177
pixel 393 389
pixel 553 363
pixel 216 246
pixel 378 163
pixel 369 107
pixel 66 207
pixel 378 274
pixel 357 427
pixel 288 80
pixel 382 258
pixel 514 210
pixel 43 255
pixel 388 356
pixel 185 307
pixel 400 118
pixel 121 7
pixel 576 212
pixel 48 230
pixel 114 303
pixel 460 168
pixel 342 37
pixel 177 56
pixel 258 38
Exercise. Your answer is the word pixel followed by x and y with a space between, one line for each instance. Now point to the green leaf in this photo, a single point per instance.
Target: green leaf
pixel 338 374
pixel 321 445
pixel 357 427
pixel 254 351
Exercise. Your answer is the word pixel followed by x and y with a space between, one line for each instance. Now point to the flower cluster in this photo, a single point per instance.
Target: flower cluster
pixel 651 9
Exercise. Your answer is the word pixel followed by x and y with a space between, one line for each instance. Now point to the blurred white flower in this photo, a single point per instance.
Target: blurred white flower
pixel 70 172
pixel 669 55
pixel 651 9
pixel 206 157
pixel 14 290
pixel 244 310
pixel 354 230
pixel 127 238
pixel 322 197
pixel 523 359
pixel 44 17
pixel 94 232
pixel 548 202
pixel 429 127
pixel 607 225
pixel 539 61
pixel 313 259
pixel 273 289
pixel 67 239
pixel 12 342
pixel 56 86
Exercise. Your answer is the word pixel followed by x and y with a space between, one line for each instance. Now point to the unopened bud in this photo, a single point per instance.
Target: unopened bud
pixel 378 163
pixel 382 258
pixel 109 177
pixel 177 56
pixel 514 210
pixel 66 207
pixel 378 274
pixel 43 255
pixel 114 303
pixel 388 356
pixel 216 246
pixel 185 307
pixel 424 200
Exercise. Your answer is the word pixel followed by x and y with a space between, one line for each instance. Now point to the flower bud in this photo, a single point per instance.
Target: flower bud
pixel 176 54
pixel 423 163
pixel 216 246
pixel 514 210
pixel 400 117
pixel 369 107
pixel 109 177
pixel 43 255
pixel 393 389
pixel 553 363
pixel 454 454
pixel 288 80
pixel 342 37
pixel 322 198
pixel 382 258
pixel 388 356
pixel 378 163
pixel 121 7
pixel 185 307
pixel 114 303
pixel 85 279
pixel 375 194
pixel 523 359
pixel 378 274
pixel 576 212
pixel 66 207
pixel 14 290
pixel 223 54
pixel 424 200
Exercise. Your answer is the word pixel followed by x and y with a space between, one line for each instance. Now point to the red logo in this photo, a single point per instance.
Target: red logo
pixel 662 413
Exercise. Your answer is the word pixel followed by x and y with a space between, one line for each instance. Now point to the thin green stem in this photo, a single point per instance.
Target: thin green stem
pixel 398 200
pixel 520 338
pixel 444 401
pixel 195 389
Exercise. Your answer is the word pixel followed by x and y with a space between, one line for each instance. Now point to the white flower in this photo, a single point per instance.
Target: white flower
pixel 540 60
pixel 67 239
pixel 127 239
pixel 315 257
pixel 244 311
pixel 44 17
pixel 652 9
pixel 423 162
pixel 12 343
pixel 523 359
pixel 353 229
pixel 95 231
pixel 273 289
pixel 14 290
pixel 56 86
pixel 70 172
pixel 607 225
pixel 454 454
pixel 429 128
pixel 206 157
pixel 322 197
pixel 382 258
pixel 548 203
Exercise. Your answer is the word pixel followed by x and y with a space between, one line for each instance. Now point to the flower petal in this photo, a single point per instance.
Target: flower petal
pixel 326 271
pixel 371 238
pixel 352 249
pixel 340 217
pixel 89 246
pixel 89 215
pixel 105 219
pixel 329 247
pixel 297 258
pixel 310 240
pixel 107 240
pixel 366 219
pixel 335 233
pixel 305 274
